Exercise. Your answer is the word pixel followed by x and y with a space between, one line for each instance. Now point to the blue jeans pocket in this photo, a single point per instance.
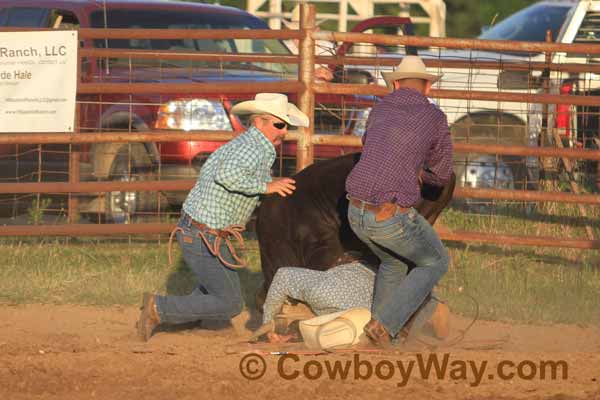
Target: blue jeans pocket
pixel 190 242
pixel 400 226
pixel 394 227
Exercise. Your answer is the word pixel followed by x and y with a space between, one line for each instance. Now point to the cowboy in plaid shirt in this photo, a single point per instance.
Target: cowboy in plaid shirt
pixel 407 141
pixel 220 204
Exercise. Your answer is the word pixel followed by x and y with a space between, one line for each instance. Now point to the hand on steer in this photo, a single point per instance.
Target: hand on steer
pixel 281 186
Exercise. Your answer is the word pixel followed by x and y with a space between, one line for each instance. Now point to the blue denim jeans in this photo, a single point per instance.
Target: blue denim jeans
pixel 217 295
pixel 413 259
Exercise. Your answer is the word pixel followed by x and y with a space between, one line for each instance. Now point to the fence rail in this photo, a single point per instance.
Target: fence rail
pixel 188 88
pixel 326 140
pixel 472 64
pixel 165 228
pixel 187 184
pixel 349 89
pixel 455 43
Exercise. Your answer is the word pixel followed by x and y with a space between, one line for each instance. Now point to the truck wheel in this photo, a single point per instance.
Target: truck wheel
pixel 124 207
pixel 502 172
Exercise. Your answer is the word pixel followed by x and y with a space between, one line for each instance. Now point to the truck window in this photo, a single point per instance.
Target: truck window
pixel 64 19
pixel 27 17
pixel 589 31
pixel 165 19
pixel 3 17
pixel 530 24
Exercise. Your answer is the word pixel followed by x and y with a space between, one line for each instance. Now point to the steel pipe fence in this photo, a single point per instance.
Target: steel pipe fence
pixel 340 105
pixel 317 139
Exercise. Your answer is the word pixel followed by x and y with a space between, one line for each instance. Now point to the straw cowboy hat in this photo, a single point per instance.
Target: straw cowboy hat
pixel 410 67
pixel 340 329
pixel 275 104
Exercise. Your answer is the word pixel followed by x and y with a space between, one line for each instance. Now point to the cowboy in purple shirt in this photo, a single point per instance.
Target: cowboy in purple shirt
pixel 407 142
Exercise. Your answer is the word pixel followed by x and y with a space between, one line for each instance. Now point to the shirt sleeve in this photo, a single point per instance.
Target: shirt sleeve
pixel 438 168
pixel 287 282
pixel 238 172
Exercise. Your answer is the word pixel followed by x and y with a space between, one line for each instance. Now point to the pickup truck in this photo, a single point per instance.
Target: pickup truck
pixel 515 123
pixel 334 114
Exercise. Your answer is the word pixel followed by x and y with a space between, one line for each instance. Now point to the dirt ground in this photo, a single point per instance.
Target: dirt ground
pixel 74 352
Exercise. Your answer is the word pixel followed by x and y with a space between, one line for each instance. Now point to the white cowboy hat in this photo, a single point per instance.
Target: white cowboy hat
pixel 275 104
pixel 340 329
pixel 410 67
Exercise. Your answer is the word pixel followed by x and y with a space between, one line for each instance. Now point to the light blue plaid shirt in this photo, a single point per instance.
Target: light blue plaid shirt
pixel 339 288
pixel 231 180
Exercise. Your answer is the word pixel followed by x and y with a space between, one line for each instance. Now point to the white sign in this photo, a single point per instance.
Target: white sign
pixel 38 81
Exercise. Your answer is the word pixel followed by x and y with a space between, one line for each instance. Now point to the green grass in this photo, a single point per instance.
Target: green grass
pixel 548 285
pixel 98 274
pixel 519 285
pixel 525 283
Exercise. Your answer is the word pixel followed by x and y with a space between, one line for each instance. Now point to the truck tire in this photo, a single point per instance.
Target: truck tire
pixel 125 207
pixel 501 172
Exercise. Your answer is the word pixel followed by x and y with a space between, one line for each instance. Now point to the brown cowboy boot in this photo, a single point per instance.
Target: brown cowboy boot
pixel 149 318
pixel 377 333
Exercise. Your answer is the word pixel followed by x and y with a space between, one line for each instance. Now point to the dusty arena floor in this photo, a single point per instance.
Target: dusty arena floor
pixel 73 352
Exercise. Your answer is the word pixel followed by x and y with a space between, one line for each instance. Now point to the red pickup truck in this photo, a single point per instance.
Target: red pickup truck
pixel 334 114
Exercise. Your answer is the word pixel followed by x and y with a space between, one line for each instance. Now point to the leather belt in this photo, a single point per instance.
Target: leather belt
pixel 221 236
pixel 205 228
pixel 376 207
pixel 382 211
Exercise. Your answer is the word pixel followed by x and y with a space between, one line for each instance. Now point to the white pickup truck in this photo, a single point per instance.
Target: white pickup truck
pixel 513 123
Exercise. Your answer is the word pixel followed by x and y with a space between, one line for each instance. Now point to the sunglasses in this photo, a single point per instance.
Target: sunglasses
pixel 280 125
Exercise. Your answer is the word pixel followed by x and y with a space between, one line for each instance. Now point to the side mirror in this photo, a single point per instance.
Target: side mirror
pixel 518 80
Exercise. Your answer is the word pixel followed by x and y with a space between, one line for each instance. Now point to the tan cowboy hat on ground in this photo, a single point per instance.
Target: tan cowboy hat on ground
pixel 410 67
pixel 275 104
pixel 340 329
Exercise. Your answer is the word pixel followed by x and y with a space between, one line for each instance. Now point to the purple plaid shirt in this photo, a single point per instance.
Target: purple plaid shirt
pixel 406 134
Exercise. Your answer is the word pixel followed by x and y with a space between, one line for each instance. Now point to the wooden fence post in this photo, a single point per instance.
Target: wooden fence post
pixel 549 169
pixel 74 167
pixel 74 177
pixel 306 73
